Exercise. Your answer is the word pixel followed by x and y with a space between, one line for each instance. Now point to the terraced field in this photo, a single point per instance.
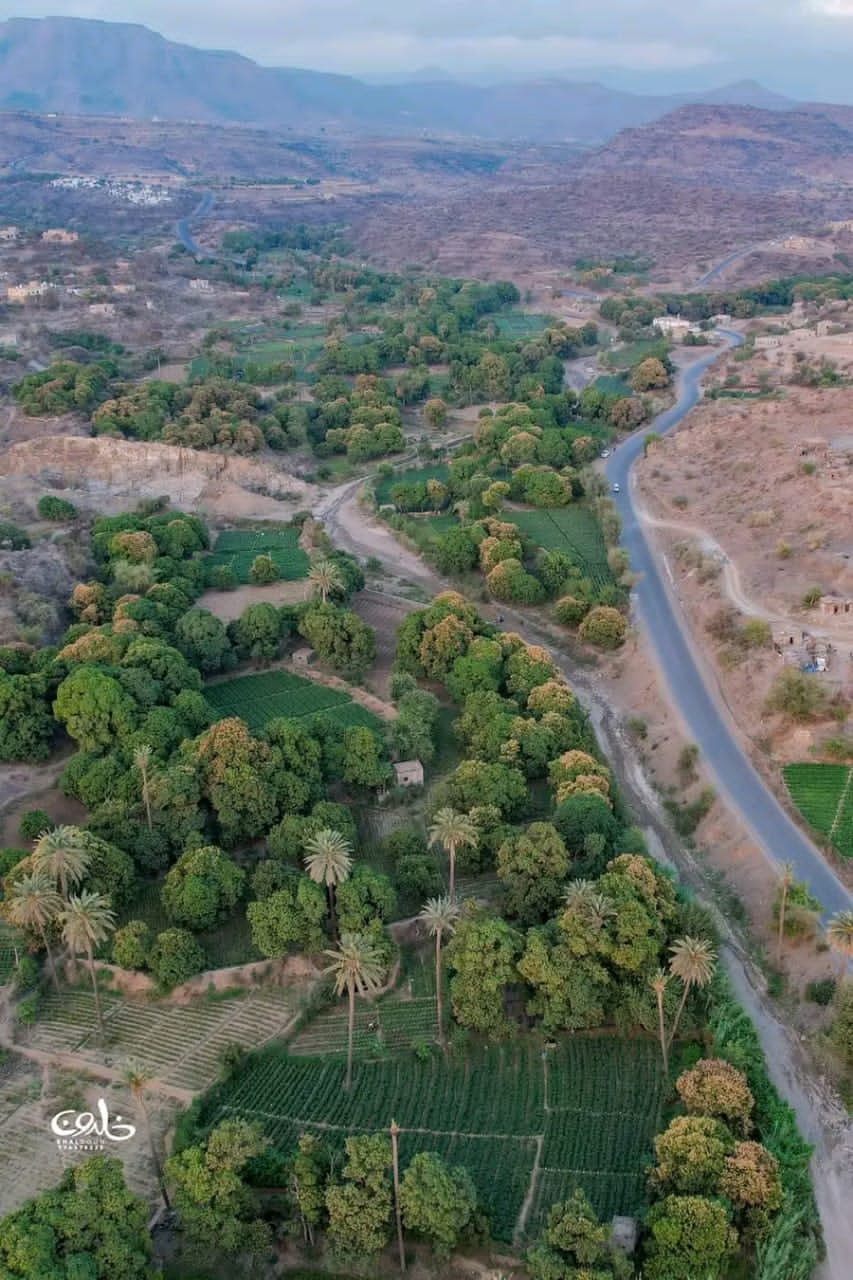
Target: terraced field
pixel 823 793
pixel 590 1108
pixel 237 548
pixel 260 698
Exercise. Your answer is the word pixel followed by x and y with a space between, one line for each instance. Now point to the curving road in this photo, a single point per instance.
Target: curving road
pixel 718 270
pixel 743 788
pixel 182 230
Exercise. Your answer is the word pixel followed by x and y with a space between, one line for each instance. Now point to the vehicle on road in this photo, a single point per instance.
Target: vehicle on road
pixel 605 453
pixel 617 488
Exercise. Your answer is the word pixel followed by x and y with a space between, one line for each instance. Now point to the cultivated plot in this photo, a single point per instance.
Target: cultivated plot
pixel 237 548
pixel 573 529
pixel 272 694
pixel 823 793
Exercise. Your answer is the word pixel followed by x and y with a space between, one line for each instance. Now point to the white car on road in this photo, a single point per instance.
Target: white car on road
pixel 616 488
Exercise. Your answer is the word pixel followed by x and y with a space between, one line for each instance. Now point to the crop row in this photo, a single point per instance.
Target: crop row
pixel 609 1193
pixel 816 790
pixel 393 1025
pixel 574 529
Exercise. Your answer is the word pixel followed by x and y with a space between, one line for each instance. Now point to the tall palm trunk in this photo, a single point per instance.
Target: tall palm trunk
pixel 152 1146
pixel 91 959
pixel 664 1047
pixel 451 854
pixel 50 959
pixel 395 1163
pixel 333 915
pixel 679 1011
pixel 146 798
pixel 350 1031
pixel 439 995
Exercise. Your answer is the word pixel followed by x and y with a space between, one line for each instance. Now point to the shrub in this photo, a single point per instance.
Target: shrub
pixel 9 858
pixel 570 611
pixel 821 992
pixel 811 598
pixel 221 577
pixel 33 823
pixel 604 627
pixel 263 570
pixel 175 957
pixel 797 695
pixel 841 1031
pixel 12 538
pixel 132 945
pixel 50 508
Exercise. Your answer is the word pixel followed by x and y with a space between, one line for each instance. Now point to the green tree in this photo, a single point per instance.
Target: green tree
pixel 89 1227
pixel 362 762
pixel 26 725
pixel 690 1155
pixel 239 779
pixel 202 638
pixel 328 861
pixel 142 761
pixel 87 921
pixel 688 1236
pixel 291 916
pixel 452 831
pixel 63 855
pixel 340 638
pixel 692 961
pixel 263 570
pixel 839 935
pixel 94 708
pixel 364 897
pixel 215 1205
pixel 325 578
pixel 359 1206
pixel 437 1202
pixel 258 632
pixel 604 627
pixel 308 1177
pixel 202 888
pixel 716 1088
pixel 356 967
pixel 797 696
pixel 132 945
pixel 137 1079
pixel 575 1245
pixel 32 903
pixel 176 957
pixel 649 375
pixel 532 866
pixel 439 917
pixel 483 955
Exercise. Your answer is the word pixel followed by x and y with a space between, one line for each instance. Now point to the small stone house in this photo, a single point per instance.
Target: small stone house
pixel 59 235
pixel 833 606
pixel 409 773
pixel 303 657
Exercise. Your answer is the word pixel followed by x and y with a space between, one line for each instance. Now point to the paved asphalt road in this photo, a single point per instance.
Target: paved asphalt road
pixel 183 228
pixel 736 779
pixel 718 270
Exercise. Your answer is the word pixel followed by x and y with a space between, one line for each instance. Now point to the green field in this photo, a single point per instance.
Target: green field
pixel 573 529
pixel 823 793
pixel 613 384
pixel 385 484
pixel 593 1104
pixel 271 694
pixel 631 354
pixel 237 548
pixel 521 324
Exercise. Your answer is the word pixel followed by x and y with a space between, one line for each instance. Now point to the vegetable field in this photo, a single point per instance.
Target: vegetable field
pixel 271 694
pixel 823 793
pixel 521 324
pixel 573 529
pixel 237 548
pixel 385 484
pixel 591 1108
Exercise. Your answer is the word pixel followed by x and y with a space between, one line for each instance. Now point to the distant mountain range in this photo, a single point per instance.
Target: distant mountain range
pixel 78 66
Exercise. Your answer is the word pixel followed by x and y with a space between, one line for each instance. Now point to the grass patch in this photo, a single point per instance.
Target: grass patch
pixel 627 357
pixel 385 484
pixel 574 529
pixel 595 1102
pixel 823 793
pixel 237 548
pixel 269 695
pixel 613 384
pixel 521 324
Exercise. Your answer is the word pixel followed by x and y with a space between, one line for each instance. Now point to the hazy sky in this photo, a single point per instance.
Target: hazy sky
pixel 800 46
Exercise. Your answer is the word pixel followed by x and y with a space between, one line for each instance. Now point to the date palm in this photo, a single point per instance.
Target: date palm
pixel 137 1079
pixel 33 903
pixel 328 861
pixel 439 917
pixel 786 879
pixel 325 577
pixel 659 984
pixel 63 855
pixel 452 830
pixel 356 966
pixel 88 920
pixel 693 961
pixel 592 907
pixel 839 935
pixel 142 759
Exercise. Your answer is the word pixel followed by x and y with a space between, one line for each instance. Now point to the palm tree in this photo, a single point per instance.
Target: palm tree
pixel 63 855
pixel 328 861
pixel 439 917
pixel 136 1078
pixel 87 921
pixel 595 908
pixel 839 935
pixel 33 903
pixel 693 961
pixel 325 577
pixel 357 966
pixel 142 759
pixel 452 830
pixel 659 984
pixel 786 879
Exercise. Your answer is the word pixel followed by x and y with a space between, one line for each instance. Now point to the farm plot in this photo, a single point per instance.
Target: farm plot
pixel 522 324
pixel 417 475
pixel 592 1105
pixel 237 548
pixel 260 698
pixel 573 529
pixel 823 793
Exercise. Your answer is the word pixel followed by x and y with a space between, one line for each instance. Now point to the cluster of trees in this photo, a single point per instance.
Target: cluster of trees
pixel 64 387
pixel 361 420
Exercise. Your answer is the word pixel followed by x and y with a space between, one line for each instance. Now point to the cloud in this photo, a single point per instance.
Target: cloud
pixel 833 8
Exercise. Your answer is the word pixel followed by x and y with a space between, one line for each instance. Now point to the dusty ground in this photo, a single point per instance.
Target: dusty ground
pixel 228 605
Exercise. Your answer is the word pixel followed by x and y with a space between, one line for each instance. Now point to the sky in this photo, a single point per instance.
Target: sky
pixel 801 47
